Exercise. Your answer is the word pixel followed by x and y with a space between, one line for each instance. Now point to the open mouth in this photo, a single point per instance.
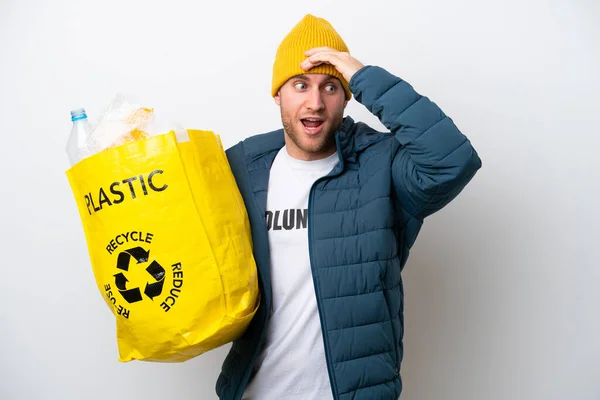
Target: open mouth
pixel 312 125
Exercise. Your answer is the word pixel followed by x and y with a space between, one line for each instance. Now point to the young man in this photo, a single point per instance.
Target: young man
pixel 335 207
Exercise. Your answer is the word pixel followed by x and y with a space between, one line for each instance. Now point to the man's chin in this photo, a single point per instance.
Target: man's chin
pixel 316 145
pixel 310 144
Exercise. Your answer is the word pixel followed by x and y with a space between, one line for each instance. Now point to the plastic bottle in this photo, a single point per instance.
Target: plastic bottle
pixel 80 132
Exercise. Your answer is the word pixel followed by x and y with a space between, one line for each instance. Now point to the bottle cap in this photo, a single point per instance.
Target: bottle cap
pixel 78 114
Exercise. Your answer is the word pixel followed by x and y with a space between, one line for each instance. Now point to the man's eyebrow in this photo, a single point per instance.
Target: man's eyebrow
pixel 304 77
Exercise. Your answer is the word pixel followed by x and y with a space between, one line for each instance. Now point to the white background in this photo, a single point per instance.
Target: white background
pixel 502 298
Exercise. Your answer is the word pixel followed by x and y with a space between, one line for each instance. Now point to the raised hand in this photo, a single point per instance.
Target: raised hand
pixel 342 61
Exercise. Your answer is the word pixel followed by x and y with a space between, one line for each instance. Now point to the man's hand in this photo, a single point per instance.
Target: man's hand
pixel 343 62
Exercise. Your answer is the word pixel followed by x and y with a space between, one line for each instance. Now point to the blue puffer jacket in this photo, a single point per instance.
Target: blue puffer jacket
pixel 363 218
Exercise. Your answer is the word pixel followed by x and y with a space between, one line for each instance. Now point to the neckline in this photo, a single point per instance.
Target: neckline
pixel 330 160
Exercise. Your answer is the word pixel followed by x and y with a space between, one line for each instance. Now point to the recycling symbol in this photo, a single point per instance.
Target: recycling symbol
pixel 155 270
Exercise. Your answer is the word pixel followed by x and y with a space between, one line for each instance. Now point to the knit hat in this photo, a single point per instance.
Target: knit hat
pixel 309 33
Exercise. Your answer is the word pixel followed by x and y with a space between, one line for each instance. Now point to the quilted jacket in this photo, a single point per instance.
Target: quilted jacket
pixel 363 218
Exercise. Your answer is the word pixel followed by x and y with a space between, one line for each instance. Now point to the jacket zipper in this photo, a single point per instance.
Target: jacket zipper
pixel 263 330
pixel 317 293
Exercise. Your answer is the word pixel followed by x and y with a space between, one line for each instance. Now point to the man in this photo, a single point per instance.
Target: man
pixel 335 207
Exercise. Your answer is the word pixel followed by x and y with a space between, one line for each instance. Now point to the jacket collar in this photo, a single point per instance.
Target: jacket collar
pixel 351 139
pixel 261 145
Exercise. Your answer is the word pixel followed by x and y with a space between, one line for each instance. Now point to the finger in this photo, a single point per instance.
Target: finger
pixel 306 64
pixel 312 51
pixel 318 59
pixel 328 57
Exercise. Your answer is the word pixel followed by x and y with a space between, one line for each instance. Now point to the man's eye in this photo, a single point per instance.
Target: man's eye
pixel 300 86
pixel 331 88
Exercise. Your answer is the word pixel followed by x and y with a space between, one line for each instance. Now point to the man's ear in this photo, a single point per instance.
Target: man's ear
pixel 277 98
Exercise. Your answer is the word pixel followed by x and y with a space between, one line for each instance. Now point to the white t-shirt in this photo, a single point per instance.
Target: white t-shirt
pixel 292 363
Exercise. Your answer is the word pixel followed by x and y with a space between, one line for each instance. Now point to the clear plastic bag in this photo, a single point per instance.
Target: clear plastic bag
pixel 125 121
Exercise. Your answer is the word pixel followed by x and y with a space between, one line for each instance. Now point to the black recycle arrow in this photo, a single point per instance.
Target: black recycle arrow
pixel 158 273
pixel 131 295
pixel 121 281
pixel 138 253
pixel 154 269
pixel 153 289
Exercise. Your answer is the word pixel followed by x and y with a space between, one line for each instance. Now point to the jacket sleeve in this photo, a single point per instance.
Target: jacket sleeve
pixel 434 161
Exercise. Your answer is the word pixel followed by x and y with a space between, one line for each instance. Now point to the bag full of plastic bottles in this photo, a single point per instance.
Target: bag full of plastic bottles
pixel 166 230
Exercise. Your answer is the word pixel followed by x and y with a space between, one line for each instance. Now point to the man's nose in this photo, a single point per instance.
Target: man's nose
pixel 315 101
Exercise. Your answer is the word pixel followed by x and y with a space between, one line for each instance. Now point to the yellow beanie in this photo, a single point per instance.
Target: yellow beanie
pixel 309 33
